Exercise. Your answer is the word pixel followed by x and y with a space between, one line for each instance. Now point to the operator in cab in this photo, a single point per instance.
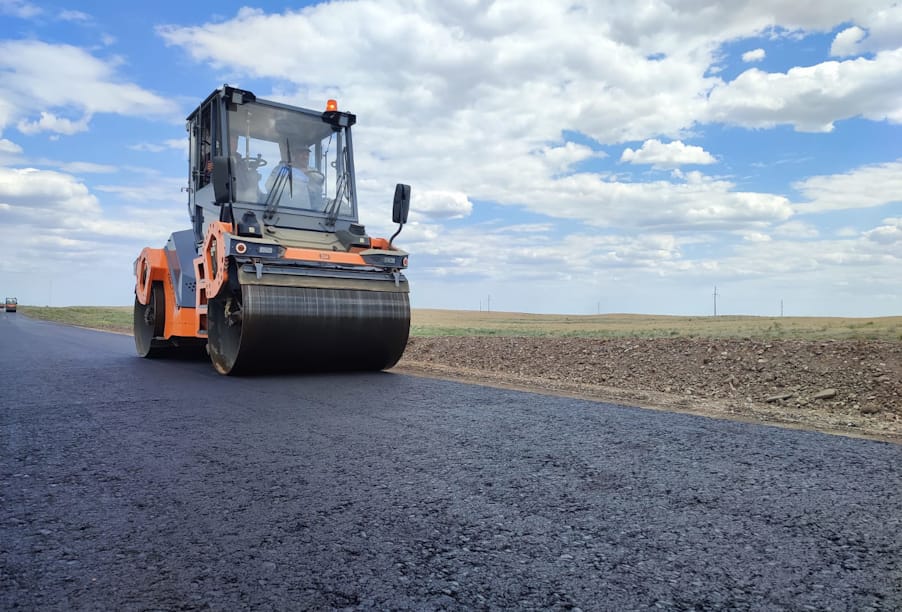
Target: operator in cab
pixel 305 187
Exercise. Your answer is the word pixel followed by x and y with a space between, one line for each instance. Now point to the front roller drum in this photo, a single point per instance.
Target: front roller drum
pixel 280 329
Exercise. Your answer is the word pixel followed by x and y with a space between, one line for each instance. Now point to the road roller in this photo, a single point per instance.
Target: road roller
pixel 276 273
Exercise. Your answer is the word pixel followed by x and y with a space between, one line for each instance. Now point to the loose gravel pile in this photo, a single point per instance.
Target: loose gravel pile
pixel 841 386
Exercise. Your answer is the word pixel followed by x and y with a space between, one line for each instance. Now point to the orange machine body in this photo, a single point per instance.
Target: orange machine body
pixel 211 271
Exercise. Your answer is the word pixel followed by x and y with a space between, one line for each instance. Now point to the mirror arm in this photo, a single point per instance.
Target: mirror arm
pixel 393 236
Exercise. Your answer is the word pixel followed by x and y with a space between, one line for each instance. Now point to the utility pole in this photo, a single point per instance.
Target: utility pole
pixel 488 307
pixel 781 307
pixel 715 300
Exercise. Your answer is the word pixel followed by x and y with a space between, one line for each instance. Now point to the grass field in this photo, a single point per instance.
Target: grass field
pixel 427 322
pixel 97 317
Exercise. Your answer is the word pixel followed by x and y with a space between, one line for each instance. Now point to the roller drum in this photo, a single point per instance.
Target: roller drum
pixel 279 328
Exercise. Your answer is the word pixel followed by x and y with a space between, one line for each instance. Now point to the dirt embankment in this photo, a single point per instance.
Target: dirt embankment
pixel 850 387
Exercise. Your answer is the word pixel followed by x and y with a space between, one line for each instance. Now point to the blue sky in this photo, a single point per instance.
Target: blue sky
pixel 565 157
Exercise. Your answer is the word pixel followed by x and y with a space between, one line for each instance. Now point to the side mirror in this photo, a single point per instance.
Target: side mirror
pixel 401 204
pixel 222 180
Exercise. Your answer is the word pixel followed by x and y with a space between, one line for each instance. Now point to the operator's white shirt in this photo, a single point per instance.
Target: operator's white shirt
pixel 305 190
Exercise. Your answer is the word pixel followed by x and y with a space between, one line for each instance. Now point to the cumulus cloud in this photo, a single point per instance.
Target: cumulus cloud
pixel 890 233
pixel 668 155
pixel 51 123
pixel 755 236
pixel 442 205
pixel 42 196
pixel 19 8
pixel 796 230
pixel 89 168
pixel 755 55
pixel 513 81
pixel 77 16
pixel 533 57
pixel 70 217
pixel 877 30
pixel 502 252
pixel 699 202
pixel 845 43
pixel 562 158
pixel 812 98
pixel 864 187
pixel 177 144
pixel 9 147
pixel 58 88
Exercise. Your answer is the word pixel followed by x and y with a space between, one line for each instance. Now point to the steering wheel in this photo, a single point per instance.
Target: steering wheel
pixel 253 163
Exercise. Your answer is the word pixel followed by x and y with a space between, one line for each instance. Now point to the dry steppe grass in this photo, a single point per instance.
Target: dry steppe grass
pixel 429 322
pixel 110 318
pixel 434 322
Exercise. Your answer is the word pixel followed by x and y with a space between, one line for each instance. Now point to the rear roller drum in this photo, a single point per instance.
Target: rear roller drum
pixel 149 323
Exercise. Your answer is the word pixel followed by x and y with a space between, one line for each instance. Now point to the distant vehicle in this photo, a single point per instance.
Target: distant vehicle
pixel 11 304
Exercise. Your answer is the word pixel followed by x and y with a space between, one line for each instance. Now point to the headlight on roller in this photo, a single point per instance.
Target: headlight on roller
pixel 255 249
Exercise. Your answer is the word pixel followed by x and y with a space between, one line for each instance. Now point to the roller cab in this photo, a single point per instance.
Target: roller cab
pixel 275 273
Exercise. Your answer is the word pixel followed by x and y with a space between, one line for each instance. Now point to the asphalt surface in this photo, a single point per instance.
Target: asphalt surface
pixel 131 484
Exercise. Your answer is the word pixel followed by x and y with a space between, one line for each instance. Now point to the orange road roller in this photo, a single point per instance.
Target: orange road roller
pixel 275 273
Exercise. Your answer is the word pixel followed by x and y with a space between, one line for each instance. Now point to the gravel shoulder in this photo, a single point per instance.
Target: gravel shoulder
pixel 852 388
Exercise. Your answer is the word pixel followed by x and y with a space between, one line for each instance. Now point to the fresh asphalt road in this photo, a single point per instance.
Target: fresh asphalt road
pixel 132 484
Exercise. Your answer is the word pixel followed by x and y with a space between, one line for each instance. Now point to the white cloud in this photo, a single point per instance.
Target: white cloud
pixel 876 30
pixel 155 189
pixel 51 123
pixel 43 197
pixel 536 56
pixel 492 107
pixel 699 202
pixel 798 230
pixel 89 168
pixel 755 55
pixel 813 98
pixel 502 252
pixel 19 8
pixel 56 200
pixel 178 144
pixel 755 237
pixel 8 146
pixel 442 205
pixel 57 88
pixel 864 187
pixel 890 233
pixel 562 158
pixel 668 155
pixel 74 16
pixel 75 230
pixel 845 42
